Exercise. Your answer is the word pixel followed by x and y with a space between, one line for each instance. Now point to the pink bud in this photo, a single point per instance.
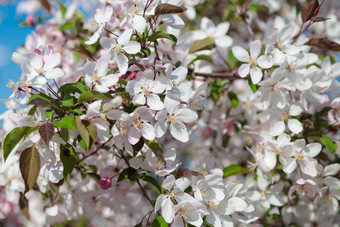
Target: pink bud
pixel 105 182
pixel 30 19
pixel 133 75
pixel 6 208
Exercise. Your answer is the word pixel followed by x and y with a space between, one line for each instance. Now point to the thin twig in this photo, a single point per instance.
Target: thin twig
pixel 138 182
pixel 226 75
pixel 95 151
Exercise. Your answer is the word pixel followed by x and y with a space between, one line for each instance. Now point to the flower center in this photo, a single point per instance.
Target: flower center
pixel 182 211
pixel 284 116
pixel 298 155
pixel 117 49
pixel 252 60
pixel 172 119
pixel 137 122
pixel 122 130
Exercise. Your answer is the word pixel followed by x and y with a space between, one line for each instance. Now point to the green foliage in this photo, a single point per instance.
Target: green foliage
pixel 155 147
pixel 68 158
pixel 93 95
pixel 253 87
pixel 152 181
pixel 162 35
pixel 202 44
pixel 328 142
pixel 128 173
pixel 234 170
pixel 217 88
pixel 201 57
pixel 233 99
pixel 159 222
pixel 67 122
pixel 63 9
pixel 13 138
pixel 87 131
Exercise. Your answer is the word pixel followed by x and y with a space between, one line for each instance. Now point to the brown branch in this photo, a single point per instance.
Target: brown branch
pixel 226 75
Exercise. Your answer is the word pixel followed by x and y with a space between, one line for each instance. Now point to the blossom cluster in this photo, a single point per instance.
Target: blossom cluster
pixel 157 112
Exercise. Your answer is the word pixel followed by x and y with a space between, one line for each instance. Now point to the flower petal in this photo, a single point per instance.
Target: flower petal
pixel 255 74
pixel 132 47
pixel 179 131
pixel 240 54
pixel 244 70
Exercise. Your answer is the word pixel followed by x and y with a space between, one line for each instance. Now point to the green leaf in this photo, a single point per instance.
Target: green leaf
pixel 159 222
pixel 64 134
pixel 70 88
pixel 155 147
pixel 328 142
pixel 66 122
pixel 323 112
pixel 231 59
pixel 13 138
pixel 68 101
pixel 201 57
pixel 29 164
pixel 62 9
pixel 320 123
pixel 162 35
pixel 253 87
pixel 32 110
pixel 93 95
pixel 94 176
pixel 68 158
pixel 217 88
pixel 128 173
pixel 234 170
pixel 92 132
pixel 31 130
pixel 257 7
pixel 84 134
pixel 152 181
pixel 202 44
pixel 49 114
pixel 121 81
pixel 233 99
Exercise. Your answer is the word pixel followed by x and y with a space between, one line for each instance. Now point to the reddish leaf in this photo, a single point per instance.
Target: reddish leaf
pixel 23 204
pixel 323 43
pixel 46 5
pixel 40 102
pixel 46 132
pixel 85 52
pixel 310 10
pixel 168 9
pixel 29 163
pixel 185 172
pixel 319 19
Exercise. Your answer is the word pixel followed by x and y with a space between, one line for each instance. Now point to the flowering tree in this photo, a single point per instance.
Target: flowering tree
pixel 169 112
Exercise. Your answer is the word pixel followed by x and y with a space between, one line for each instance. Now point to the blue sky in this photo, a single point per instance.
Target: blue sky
pixel 12 36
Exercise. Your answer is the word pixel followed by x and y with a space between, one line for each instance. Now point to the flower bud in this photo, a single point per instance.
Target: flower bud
pixel 105 182
pixel 30 19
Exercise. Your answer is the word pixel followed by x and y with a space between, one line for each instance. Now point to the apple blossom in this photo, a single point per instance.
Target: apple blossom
pixel 252 61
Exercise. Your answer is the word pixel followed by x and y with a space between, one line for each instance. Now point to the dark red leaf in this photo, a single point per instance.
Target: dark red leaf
pixel 310 10
pixel 168 9
pixel 85 52
pixel 323 43
pixel 46 132
pixel 46 5
pixel 319 19
pixel 40 102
